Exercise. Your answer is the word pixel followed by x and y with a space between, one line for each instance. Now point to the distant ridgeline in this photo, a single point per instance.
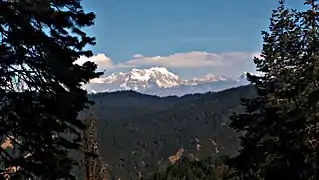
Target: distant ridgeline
pixel 139 133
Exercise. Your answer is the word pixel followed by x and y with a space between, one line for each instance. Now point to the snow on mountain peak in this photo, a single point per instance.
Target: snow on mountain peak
pixel 212 78
pixel 206 79
pixel 158 79
pixel 156 74
pixel 139 80
pixel 160 69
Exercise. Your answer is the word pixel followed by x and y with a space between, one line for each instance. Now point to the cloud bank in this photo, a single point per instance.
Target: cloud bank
pixel 225 63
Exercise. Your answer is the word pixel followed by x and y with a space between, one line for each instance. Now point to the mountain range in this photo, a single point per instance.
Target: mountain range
pixel 161 82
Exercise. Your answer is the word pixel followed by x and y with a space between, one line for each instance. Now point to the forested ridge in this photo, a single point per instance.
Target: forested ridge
pixel 138 133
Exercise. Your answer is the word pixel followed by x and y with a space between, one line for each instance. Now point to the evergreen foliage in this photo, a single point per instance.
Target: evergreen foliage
pixel 138 133
pixel 40 85
pixel 93 166
pixel 280 125
pixel 210 168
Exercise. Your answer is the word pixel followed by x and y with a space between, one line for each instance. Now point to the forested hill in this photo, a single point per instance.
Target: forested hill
pixel 138 133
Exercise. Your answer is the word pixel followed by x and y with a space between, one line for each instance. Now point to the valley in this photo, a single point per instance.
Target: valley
pixel 138 132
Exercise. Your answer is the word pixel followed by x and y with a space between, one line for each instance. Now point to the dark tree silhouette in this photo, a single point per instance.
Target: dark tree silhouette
pixel 280 126
pixel 40 85
pixel 93 165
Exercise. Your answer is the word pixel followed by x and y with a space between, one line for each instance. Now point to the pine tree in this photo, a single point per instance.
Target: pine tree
pixel 280 136
pixel 90 146
pixel 40 85
pixel 92 163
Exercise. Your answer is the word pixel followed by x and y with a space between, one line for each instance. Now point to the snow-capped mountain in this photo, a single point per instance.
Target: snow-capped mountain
pixel 138 80
pixel 160 81
pixel 205 79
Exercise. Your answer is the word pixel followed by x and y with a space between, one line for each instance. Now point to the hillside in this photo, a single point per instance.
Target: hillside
pixel 139 132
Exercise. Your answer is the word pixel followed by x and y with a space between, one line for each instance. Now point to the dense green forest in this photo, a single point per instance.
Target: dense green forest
pixel 138 133
pixel 209 168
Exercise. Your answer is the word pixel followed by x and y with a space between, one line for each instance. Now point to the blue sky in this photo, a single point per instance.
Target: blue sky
pixel 163 28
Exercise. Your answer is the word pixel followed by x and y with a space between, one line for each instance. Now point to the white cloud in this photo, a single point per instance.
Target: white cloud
pixel 193 59
pixel 257 55
pixel 101 59
pixel 136 56
pixel 222 63
pixel 103 62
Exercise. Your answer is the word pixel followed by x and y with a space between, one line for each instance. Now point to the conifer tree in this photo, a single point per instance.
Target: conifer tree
pixel 280 126
pixel 40 85
pixel 93 165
